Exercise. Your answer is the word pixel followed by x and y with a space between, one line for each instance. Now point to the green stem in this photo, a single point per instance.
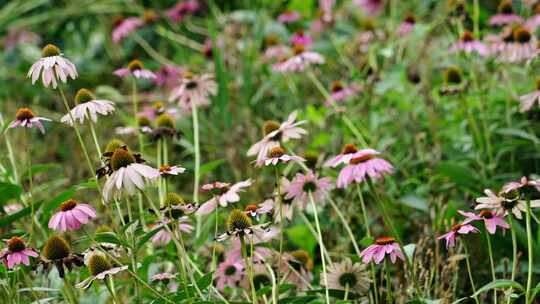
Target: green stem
pixel 389 295
pixel 110 287
pixel 514 254
pixel 321 247
pixel 11 159
pixel 94 137
pixel 281 220
pixel 467 261
pixel 529 253
pixel 70 294
pixel 492 264
pixel 249 270
pixel 476 17
pixel 195 119
pixel 346 225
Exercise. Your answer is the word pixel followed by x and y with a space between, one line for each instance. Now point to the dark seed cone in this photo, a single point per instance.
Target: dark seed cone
pixel 98 263
pixel 238 220
pixel 56 248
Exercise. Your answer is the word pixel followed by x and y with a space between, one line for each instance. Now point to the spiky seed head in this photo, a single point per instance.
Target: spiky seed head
pixel 84 95
pixel 505 7
pixel 121 158
pixel 521 35
pixel 68 205
pixel 276 152
pixel 467 36
pixel 15 244
pixel 385 240
pixel 98 263
pixel 114 144
pixel 452 75
pixel 50 50
pixel 135 65
pixel 56 248
pixel 348 279
pixel 238 220
pixel 349 149
pixel 270 126
pixel 312 158
pixel 24 113
pixel 165 121
pixel 303 258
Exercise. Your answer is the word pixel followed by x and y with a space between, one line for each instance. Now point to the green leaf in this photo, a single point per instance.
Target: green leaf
pixel 39 168
pixel 302 237
pixel 457 173
pixel 499 284
pixel 366 241
pixel 519 133
pixel 409 251
pixel 535 290
pixel 204 281
pixel 210 166
pixel 304 7
pixel 9 191
pixel 415 202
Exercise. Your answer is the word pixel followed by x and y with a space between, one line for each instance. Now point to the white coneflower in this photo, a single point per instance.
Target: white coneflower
pixel 194 89
pixel 100 268
pixel 52 66
pixel 88 107
pixel 348 276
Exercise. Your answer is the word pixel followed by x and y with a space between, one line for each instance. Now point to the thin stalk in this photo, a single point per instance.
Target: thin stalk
pixel 30 186
pixel 346 225
pixel 529 253
pixel 476 17
pixel 281 220
pixel 321 247
pixel 346 296
pixel 11 159
pixel 389 295
pixel 514 254
pixel 214 260
pixel 133 248
pixel 110 287
pixel 493 277
pixel 249 269
pixel 94 137
pixel 70 294
pixel 468 262
pixel 135 105
pixel 195 119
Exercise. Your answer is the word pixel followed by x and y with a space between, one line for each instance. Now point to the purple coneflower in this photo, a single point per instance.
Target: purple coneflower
pixel 72 216
pixel 136 69
pixel 528 100
pixel 302 184
pixel 462 228
pixel 522 47
pixel 274 133
pixel 124 27
pixel 165 170
pixel 490 219
pixel 383 246
pixel 16 253
pixel 468 44
pixel 505 14
pixel 223 194
pixel 194 90
pixel 364 163
pixel 339 92
pixel 348 276
pixel 299 62
pixel 100 268
pixel 26 118
pixel 88 107
pixel 370 7
pixel 52 66
pixel 406 26
pixel 163 236
pixel 289 17
pixel 182 9
pixel 229 273
pixel 277 155
pixel 301 39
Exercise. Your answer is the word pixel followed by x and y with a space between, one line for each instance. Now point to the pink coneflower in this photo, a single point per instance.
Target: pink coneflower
pixel 370 7
pixel 16 253
pixel 502 204
pixel 523 182
pixel 299 62
pixel 274 133
pixel 277 155
pixel 165 170
pixel 468 44
pixel 163 236
pixel 12 208
pixel 383 246
pixel 348 152
pixel 363 164
pixel 52 66
pixel 17 36
pixel 136 69
pixel 491 220
pixel 462 228
pixel 72 216
pixel 125 27
pixel 301 39
pixel 223 194
pixel 127 173
pixel 163 277
pixel 339 92
pixel 168 75
pixel 88 107
pixel 194 90
pixel 505 14
pixel 182 9
pixel 229 273
pixel 406 26
pixel 302 184
pixel 26 118
pixel 522 47
pixel 289 17
pixel 256 211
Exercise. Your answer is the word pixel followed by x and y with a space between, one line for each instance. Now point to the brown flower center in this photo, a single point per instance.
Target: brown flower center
pixel 522 35
pixel 537 82
pixel 486 214
pixel 452 75
pixel 24 113
pixel 337 86
pixel 230 270
pixel 98 263
pixel 456 227
pixel 298 49
pixel 467 36
pixel 164 168
pixel 56 248
pixel 349 149
pixel 385 240
pixel 50 50
pixel 135 65
pixel 238 220
pixel 505 7
pixel 410 18
pixel 68 205
pixel 83 95
pixel 121 158
pixel 15 244
pixel 251 208
pixel 276 152
pixel 361 159
pixel 270 126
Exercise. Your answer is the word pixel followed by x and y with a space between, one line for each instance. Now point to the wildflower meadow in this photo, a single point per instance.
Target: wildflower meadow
pixel 270 151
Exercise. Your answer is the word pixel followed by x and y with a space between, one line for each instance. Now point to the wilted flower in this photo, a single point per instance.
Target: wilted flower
pixel 529 100
pixel 505 14
pixel 490 219
pixel 302 184
pixel 468 44
pixel 297 266
pixel 16 253
pixel 194 90
pixel 124 27
pixel 382 247
pixel 462 228
pixel 229 273
pixel 52 66
pixel 348 276
pixel 26 118
pixel 72 216
pixel 301 60
pixel 277 155
pixel 223 194
pixel 57 252
pixel 363 164
pixel 274 133
pixel 100 268
pixel 88 107
pixel 136 69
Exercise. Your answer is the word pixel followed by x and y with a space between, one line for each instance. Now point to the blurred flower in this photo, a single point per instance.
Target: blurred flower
pixel 239 225
pixel 222 194
pixel 490 219
pixel 164 277
pixel 182 9
pixel 406 26
pixel 348 276
pixel 136 69
pixel 194 90
pixel 523 47
pixel 12 208
pixel 302 184
pixel 469 44
pixel 165 170
pixel 289 17
pixel 348 152
pixel 506 201
pixel 370 7
pixel 297 266
pixel 505 14
pixel 382 247
pixel 299 62
pixel 256 211
pixel 453 81
pixel 18 35
pixel 125 27
pixel 274 133
pixel 277 155
pixel 126 173
pixel 528 100
pixel 100 269
pixel 52 66
pixel 88 107
pixel 261 277
pixel 26 118
pixel 72 216
pixel 16 253
pixel 229 273
pixel 300 38
pixel 163 236
pixel 521 185
pixel 363 164
pixel 339 92
pixel 462 228
pixel 168 75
